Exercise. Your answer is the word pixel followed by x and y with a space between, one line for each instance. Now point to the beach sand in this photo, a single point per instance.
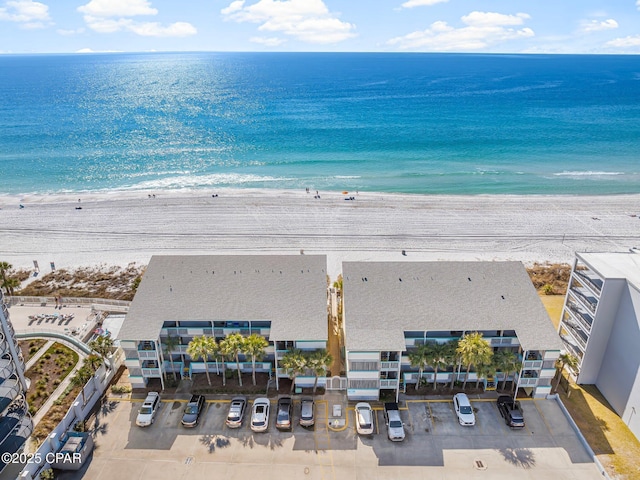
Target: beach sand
pixel 120 227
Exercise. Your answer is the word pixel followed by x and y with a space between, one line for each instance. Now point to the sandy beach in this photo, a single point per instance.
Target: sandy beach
pixel 122 227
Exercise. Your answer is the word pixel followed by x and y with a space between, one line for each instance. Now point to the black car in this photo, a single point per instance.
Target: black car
pixel 283 418
pixel 192 411
pixel 510 411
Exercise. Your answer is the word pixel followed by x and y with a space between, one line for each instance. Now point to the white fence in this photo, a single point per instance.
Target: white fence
pixel 82 405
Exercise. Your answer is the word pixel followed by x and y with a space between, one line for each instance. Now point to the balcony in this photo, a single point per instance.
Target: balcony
pixel 9 391
pixel 592 282
pixel 580 315
pixel 529 378
pixel 580 336
pixel 502 341
pixel 571 345
pixel 151 372
pixel 7 369
pixel 582 296
pixel 147 354
pixel 146 346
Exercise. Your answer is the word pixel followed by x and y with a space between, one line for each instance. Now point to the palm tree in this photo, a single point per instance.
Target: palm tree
pixel 202 348
pixel 419 357
pixel 254 346
pixel 474 350
pixel 294 363
pixel 318 362
pixel 506 361
pixel 233 346
pixel 485 371
pixel 103 346
pixel 168 346
pixel 80 379
pixel 4 268
pixel 438 357
pixel 566 359
pixel 10 284
pixel 93 362
pixel 453 359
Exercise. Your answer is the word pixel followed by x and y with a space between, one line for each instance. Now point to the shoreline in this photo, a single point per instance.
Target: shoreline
pixel 117 229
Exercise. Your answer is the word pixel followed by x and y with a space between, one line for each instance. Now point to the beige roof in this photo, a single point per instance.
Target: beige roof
pixel 623 265
pixel 288 290
pixel 384 299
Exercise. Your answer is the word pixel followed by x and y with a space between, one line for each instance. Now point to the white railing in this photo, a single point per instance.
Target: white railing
pixel 532 364
pixel 147 354
pixel 18 300
pixel 389 383
pixel 389 365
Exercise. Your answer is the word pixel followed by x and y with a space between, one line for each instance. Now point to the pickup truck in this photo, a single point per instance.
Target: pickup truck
pixel 510 411
pixel 395 427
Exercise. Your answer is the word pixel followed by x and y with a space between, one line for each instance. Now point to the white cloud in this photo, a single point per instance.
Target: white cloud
pixel 482 30
pixel 153 29
pixel 69 32
pixel 638 4
pixel 29 14
pixel 110 16
pixel 625 42
pixel 268 41
pixel 590 26
pixel 117 8
pixel 89 50
pixel 422 3
pixel 306 20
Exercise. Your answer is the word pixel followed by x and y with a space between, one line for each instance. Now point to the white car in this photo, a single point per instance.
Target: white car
pixel 260 415
pixel 147 413
pixel 364 419
pixel 464 411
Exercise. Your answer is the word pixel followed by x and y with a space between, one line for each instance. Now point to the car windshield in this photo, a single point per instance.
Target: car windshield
pixel 234 415
pixel 465 409
pixel 146 410
pixel 283 414
pixel 191 409
pixel 395 423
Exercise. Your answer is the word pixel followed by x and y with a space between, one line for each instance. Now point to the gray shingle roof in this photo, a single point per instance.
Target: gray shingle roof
pixel 384 299
pixel 288 290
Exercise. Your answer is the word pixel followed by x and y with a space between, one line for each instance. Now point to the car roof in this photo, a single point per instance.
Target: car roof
pixel 463 399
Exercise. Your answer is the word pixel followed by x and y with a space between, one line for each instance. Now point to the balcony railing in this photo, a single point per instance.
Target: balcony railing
pixel 389 365
pixel 146 346
pixel 532 364
pixel 528 382
pixel 151 372
pixel 575 333
pixel 584 318
pixel 145 354
pixel 594 284
pixel 389 383
pixel 584 300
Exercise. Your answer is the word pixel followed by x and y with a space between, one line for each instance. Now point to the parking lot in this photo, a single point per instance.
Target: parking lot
pixel 435 446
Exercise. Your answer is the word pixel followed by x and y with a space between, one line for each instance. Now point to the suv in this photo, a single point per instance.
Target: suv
pixel 283 418
pixel 307 418
pixel 147 413
pixel 364 418
pixel 464 411
pixel 395 427
pixel 192 411
pixel 510 411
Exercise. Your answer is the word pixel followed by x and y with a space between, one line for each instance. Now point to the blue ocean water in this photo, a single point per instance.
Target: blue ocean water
pixel 414 123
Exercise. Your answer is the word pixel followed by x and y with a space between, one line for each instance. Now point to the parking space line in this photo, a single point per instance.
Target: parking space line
pixel 544 419
pixel 433 425
pixel 322 429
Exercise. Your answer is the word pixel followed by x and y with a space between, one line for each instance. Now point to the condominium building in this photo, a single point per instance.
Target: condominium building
pixel 600 325
pixel 15 421
pixel 392 307
pixel 281 297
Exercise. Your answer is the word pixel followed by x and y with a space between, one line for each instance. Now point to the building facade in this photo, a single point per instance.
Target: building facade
pixel 281 297
pixel 16 424
pixel 392 307
pixel 600 326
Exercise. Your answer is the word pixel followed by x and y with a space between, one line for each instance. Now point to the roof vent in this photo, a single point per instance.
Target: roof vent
pixel 502 296
pixel 400 279
pixel 469 278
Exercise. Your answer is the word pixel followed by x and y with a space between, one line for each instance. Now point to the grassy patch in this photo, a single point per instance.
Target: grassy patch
pixel 30 347
pixel 553 304
pixel 611 440
pixel 55 415
pixel 47 373
pixel 114 282
pixel 550 278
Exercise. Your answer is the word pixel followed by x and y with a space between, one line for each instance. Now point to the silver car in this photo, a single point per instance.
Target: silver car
pixel 307 415
pixel 260 415
pixel 236 412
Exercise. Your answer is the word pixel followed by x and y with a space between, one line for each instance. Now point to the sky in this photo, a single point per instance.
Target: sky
pixel 487 26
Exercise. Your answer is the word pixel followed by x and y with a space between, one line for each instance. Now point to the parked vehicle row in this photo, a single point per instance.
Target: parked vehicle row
pixel 364 416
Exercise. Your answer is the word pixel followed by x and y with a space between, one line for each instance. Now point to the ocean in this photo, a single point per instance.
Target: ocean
pixel 410 123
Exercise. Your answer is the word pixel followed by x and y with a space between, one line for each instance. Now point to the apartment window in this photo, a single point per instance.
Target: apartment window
pixel 413 334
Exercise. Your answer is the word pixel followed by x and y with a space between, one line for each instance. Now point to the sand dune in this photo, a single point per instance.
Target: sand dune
pixel 117 228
